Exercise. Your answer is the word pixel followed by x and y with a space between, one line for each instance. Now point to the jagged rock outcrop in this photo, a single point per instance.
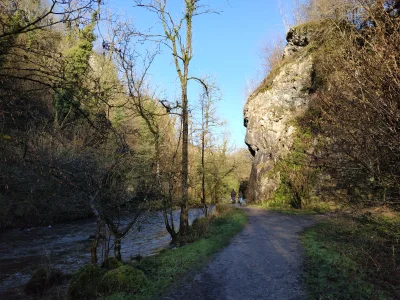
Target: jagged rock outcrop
pixel 271 109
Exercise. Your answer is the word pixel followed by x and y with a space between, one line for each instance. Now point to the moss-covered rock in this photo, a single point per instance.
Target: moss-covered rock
pixel 111 263
pixel 84 282
pixel 42 279
pixel 122 279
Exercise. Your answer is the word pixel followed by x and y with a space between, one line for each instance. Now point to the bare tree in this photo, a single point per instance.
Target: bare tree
pixel 156 114
pixel 355 111
pixel 177 36
pixel 16 16
pixel 208 99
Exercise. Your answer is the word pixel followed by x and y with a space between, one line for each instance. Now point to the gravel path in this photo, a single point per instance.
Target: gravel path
pixel 264 261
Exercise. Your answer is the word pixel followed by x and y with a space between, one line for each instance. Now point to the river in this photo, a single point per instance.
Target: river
pixel 66 247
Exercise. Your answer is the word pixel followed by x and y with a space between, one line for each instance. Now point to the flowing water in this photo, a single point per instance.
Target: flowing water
pixel 66 247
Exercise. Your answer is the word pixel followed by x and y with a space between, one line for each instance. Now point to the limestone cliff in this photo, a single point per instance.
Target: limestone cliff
pixel 270 110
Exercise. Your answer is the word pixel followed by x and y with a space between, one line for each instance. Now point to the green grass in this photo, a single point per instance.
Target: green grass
pixel 309 209
pixel 291 211
pixel 171 265
pixel 353 258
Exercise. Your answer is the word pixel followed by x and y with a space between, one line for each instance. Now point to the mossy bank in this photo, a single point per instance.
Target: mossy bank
pixel 150 277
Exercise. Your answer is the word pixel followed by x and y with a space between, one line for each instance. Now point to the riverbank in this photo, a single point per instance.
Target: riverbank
pixel 65 247
pixel 166 268
pixel 85 215
pixel 163 270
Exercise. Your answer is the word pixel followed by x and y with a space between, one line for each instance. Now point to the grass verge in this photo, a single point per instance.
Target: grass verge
pixel 171 265
pixel 316 208
pixel 290 211
pixel 353 258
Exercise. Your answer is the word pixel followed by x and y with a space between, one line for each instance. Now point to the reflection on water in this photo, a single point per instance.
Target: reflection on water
pixel 66 247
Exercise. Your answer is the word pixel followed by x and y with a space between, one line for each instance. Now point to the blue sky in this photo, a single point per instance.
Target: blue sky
pixel 226 47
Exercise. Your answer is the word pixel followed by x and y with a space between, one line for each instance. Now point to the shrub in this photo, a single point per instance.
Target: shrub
pixel 111 263
pixel 200 227
pixel 84 282
pixel 222 209
pixel 122 279
pixel 297 178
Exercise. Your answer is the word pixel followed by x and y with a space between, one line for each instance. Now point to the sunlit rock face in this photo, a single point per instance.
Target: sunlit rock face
pixel 271 109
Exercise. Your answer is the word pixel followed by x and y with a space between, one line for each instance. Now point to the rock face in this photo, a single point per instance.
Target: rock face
pixel 271 109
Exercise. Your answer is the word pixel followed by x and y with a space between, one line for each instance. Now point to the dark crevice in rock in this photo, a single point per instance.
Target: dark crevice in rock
pixel 253 153
pixel 314 82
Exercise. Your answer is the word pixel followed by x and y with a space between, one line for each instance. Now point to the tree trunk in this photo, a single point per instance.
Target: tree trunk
pixel 167 203
pixel 184 220
pixel 117 246
pixel 187 56
pixel 203 183
pixel 93 248
pixel 95 244
pixel 170 229
pixel 203 175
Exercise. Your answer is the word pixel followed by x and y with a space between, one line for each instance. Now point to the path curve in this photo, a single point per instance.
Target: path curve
pixel 264 261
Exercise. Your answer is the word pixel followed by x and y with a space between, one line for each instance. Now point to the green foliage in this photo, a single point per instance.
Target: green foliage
pixel 200 227
pixel 78 55
pixel 122 279
pixel 64 101
pixel 332 275
pixel 288 210
pixel 297 178
pixel 91 281
pixel 353 259
pixel 111 263
pixel 224 171
pixel 75 69
pixel 283 196
pixel 84 282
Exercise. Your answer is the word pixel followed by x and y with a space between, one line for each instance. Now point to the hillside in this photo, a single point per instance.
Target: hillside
pixel 323 125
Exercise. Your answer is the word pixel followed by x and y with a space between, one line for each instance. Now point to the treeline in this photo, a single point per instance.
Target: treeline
pixel 348 142
pixel 81 132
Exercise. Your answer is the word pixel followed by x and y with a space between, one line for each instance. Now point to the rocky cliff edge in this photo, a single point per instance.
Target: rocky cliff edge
pixel 271 109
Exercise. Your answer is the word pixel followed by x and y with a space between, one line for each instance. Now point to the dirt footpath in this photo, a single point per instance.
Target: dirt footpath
pixel 264 261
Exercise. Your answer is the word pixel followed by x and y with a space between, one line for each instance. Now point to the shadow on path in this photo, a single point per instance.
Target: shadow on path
pixel 264 261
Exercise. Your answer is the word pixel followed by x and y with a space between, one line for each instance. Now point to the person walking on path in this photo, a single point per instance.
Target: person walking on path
pixel 240 198
pixel 233 196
